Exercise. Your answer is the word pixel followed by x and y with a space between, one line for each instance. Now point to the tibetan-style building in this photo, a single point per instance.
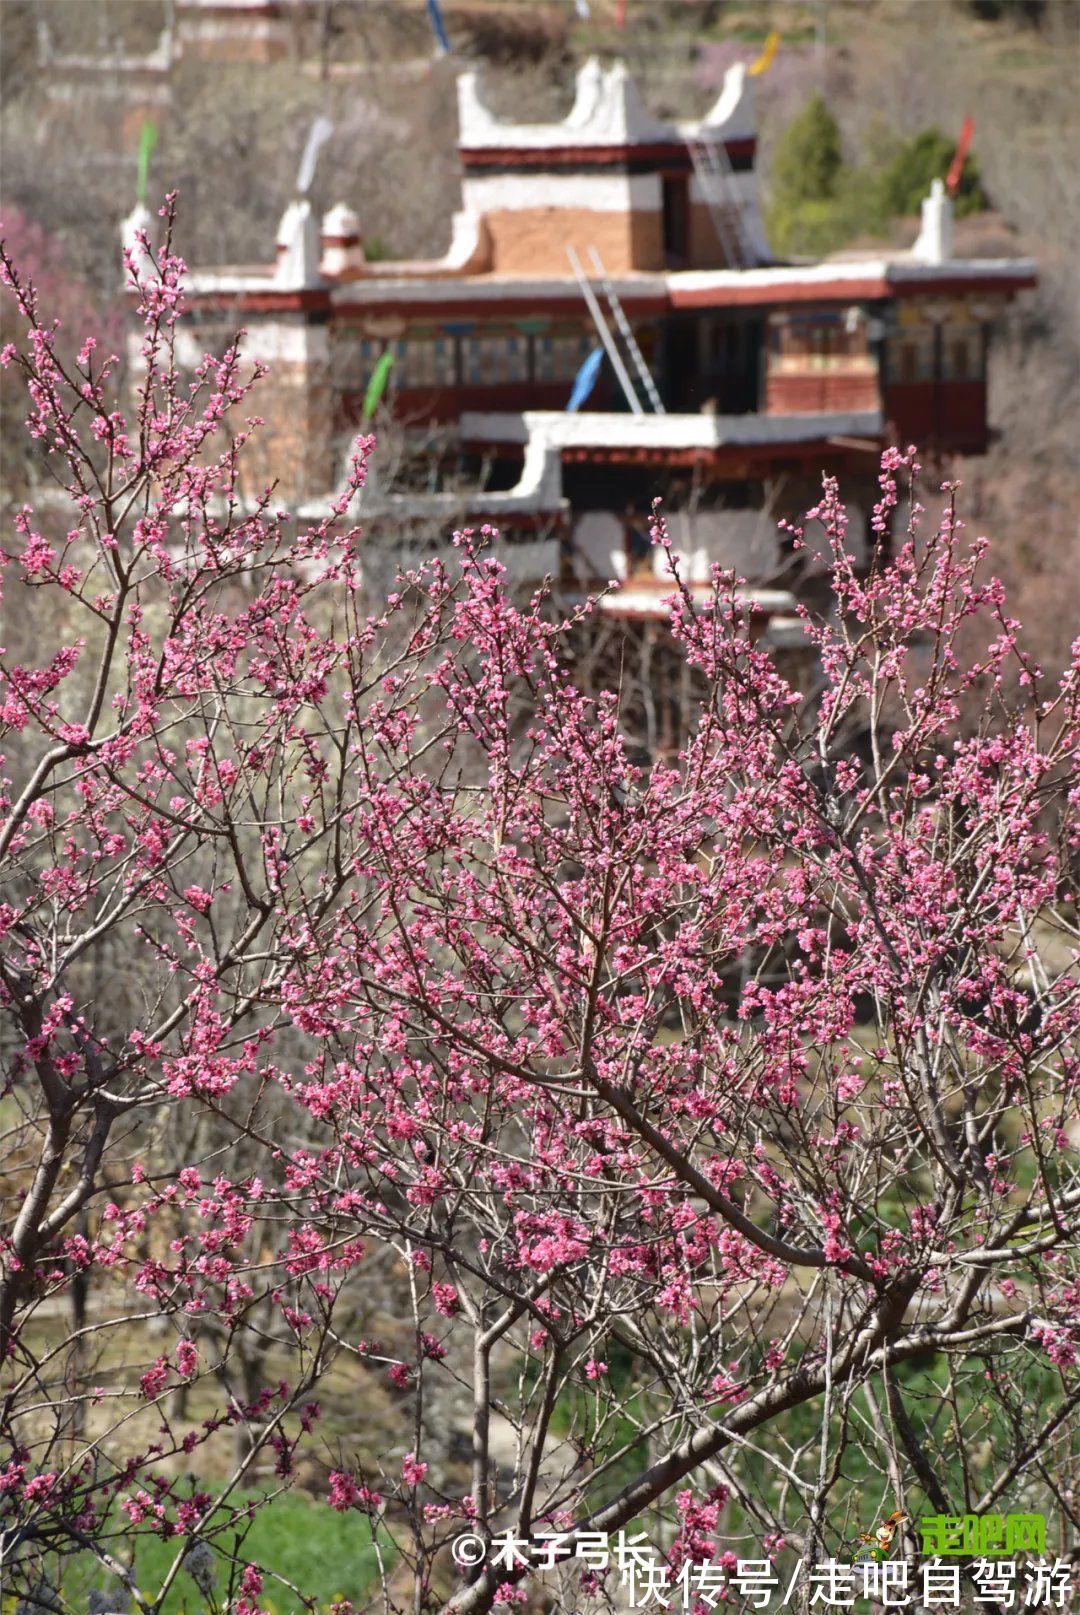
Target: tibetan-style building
pixel 729 381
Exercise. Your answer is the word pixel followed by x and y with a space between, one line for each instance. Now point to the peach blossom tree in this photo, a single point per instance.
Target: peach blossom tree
pixel 712 1122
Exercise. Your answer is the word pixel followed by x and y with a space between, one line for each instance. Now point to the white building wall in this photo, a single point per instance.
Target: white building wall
pixel 598 193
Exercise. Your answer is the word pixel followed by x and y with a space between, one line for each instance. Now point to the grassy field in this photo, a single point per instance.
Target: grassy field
pixel 328 1555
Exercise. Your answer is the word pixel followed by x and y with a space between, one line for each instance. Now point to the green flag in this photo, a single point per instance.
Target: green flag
pixel 147 142
pixel 377 384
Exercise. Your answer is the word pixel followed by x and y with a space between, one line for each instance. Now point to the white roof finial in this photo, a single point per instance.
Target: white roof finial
pixel 297 247
pixel 140 221
pixel 935 238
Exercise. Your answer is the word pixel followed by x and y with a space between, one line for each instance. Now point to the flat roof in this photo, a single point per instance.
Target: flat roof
pixel 852 280
pixel 647 599
pixel 602 429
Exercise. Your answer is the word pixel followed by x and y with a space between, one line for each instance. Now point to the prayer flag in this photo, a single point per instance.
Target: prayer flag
pixel 377 385
pixel 585 380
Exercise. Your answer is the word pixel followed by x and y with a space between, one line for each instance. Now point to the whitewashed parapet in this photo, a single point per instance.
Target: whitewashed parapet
pixel 607 111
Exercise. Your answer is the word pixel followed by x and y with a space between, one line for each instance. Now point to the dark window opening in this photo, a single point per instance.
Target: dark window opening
pixel 676 218
pixel 712 362
pixel 960 361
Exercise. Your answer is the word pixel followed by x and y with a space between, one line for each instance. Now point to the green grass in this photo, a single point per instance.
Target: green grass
pixel 324 1554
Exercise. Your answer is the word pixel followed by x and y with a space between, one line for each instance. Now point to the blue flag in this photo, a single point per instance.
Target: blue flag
pixel 585 380
pixel 437 23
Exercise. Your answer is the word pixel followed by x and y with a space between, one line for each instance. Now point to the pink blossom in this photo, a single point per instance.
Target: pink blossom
pixel 343 1491
pixel 446 1299
pixel 187 1357
pixel 155 1379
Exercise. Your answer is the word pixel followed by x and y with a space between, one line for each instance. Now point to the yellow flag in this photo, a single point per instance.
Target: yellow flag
pixel 765 60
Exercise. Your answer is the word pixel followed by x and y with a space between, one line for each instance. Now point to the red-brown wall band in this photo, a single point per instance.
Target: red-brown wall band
pixel 939 414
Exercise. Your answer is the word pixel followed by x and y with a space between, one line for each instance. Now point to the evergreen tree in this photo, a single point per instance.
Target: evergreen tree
pixel 922 159
pixel 805 179
pixel 809 158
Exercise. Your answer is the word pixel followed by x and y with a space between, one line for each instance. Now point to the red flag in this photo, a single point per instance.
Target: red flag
pixel 963 146
pixel 620 13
